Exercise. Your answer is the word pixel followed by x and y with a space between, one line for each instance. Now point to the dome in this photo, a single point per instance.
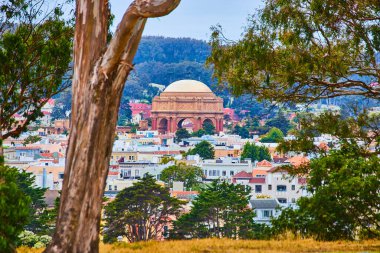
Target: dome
pixel 188 86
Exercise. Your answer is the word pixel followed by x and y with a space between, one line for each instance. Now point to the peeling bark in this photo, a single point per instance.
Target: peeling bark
pixel 100 72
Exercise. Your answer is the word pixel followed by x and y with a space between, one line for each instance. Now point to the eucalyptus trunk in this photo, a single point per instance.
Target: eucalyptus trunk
pixel 2 159
pixel 100 72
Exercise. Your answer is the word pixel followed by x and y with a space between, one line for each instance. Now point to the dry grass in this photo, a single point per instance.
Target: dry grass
pixel 240 246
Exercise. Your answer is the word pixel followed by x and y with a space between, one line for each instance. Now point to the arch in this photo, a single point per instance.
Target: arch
pixel 187 121
pixel 163 126
pixel 207 120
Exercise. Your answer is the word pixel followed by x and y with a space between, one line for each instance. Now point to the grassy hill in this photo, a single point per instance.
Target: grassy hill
pixel 241 246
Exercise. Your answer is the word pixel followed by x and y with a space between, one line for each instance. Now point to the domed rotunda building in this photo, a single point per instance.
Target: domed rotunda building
pixel 186 100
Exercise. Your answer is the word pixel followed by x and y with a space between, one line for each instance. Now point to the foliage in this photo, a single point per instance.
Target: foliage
pixel 280 122
pixel 167 159
pixel 40 220
pixel 274 135
pixel 198 133
pixel 28 238
pixel 28 78
pixel 32 139
pixel 14 208
pixel 181 134
pixel 209 128
pixel 220 210
pixel 343 179
pixel 301 51
pixel 241 131
pixel 125 112
pixel 344 185
pixel 204 149
pixel 255 153
pixel 190 175
pixel 139 212
pixel 62 105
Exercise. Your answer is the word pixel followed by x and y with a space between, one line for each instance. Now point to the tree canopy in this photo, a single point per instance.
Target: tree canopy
pixel 255 153
pixel 220 210
pixel 190 175
pixel 204 149
pixel 14 208
pixel 181 134
pixel 140 212
pixel 43 43
pixel 274 135
pixel 344 186
pixel 303 51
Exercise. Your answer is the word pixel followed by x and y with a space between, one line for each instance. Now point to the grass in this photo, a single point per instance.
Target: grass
pixel 239 246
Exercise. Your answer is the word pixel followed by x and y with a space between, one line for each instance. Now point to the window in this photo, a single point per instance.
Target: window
pixel 224 173
pixel 258 188
pixel 267 213
pixel 60 175
pixel 231 173
pixel 281 188
pixel 110 187
pixel 293 187
pixel 282 200
pixel 137 173
pixel 205 173
pixel 115 187
pixel 269 187
pixel 293 200
pixel 210 172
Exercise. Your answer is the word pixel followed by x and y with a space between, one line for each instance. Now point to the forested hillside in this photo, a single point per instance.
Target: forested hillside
pixel 162 60
pixel 165 60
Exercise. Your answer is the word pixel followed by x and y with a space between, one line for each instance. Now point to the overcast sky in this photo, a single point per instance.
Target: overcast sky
pixel 193 18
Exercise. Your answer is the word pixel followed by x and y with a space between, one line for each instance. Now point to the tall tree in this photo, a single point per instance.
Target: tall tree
pixel 344 200
pixel 140 212
pixel 181 134
pixel 274 135
pixel 220 210
pixel 100 72
pixel 279 121
pixel 209 128
pixel 255 153
pixel 14 208
pixel 300 51
pixel 190 175
pixel 125 112
pixel 204 149
pixel 28 78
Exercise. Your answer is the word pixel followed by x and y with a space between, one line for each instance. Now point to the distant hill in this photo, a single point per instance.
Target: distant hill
pixel 171 50
pixel 165 60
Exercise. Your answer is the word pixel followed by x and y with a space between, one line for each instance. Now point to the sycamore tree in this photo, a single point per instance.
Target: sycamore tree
pixel 140 212
pixel 35 52
pixel 302 51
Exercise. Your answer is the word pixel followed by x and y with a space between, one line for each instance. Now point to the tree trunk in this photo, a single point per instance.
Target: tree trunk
pixel 100 72
pixel 2 159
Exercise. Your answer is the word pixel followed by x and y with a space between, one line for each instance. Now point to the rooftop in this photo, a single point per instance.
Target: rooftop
pixel 184 86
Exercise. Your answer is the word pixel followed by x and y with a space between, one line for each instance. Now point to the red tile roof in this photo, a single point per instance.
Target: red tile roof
pixel 264 163
pixel 243 174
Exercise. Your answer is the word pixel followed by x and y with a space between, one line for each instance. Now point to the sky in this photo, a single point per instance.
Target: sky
pixel 193 18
